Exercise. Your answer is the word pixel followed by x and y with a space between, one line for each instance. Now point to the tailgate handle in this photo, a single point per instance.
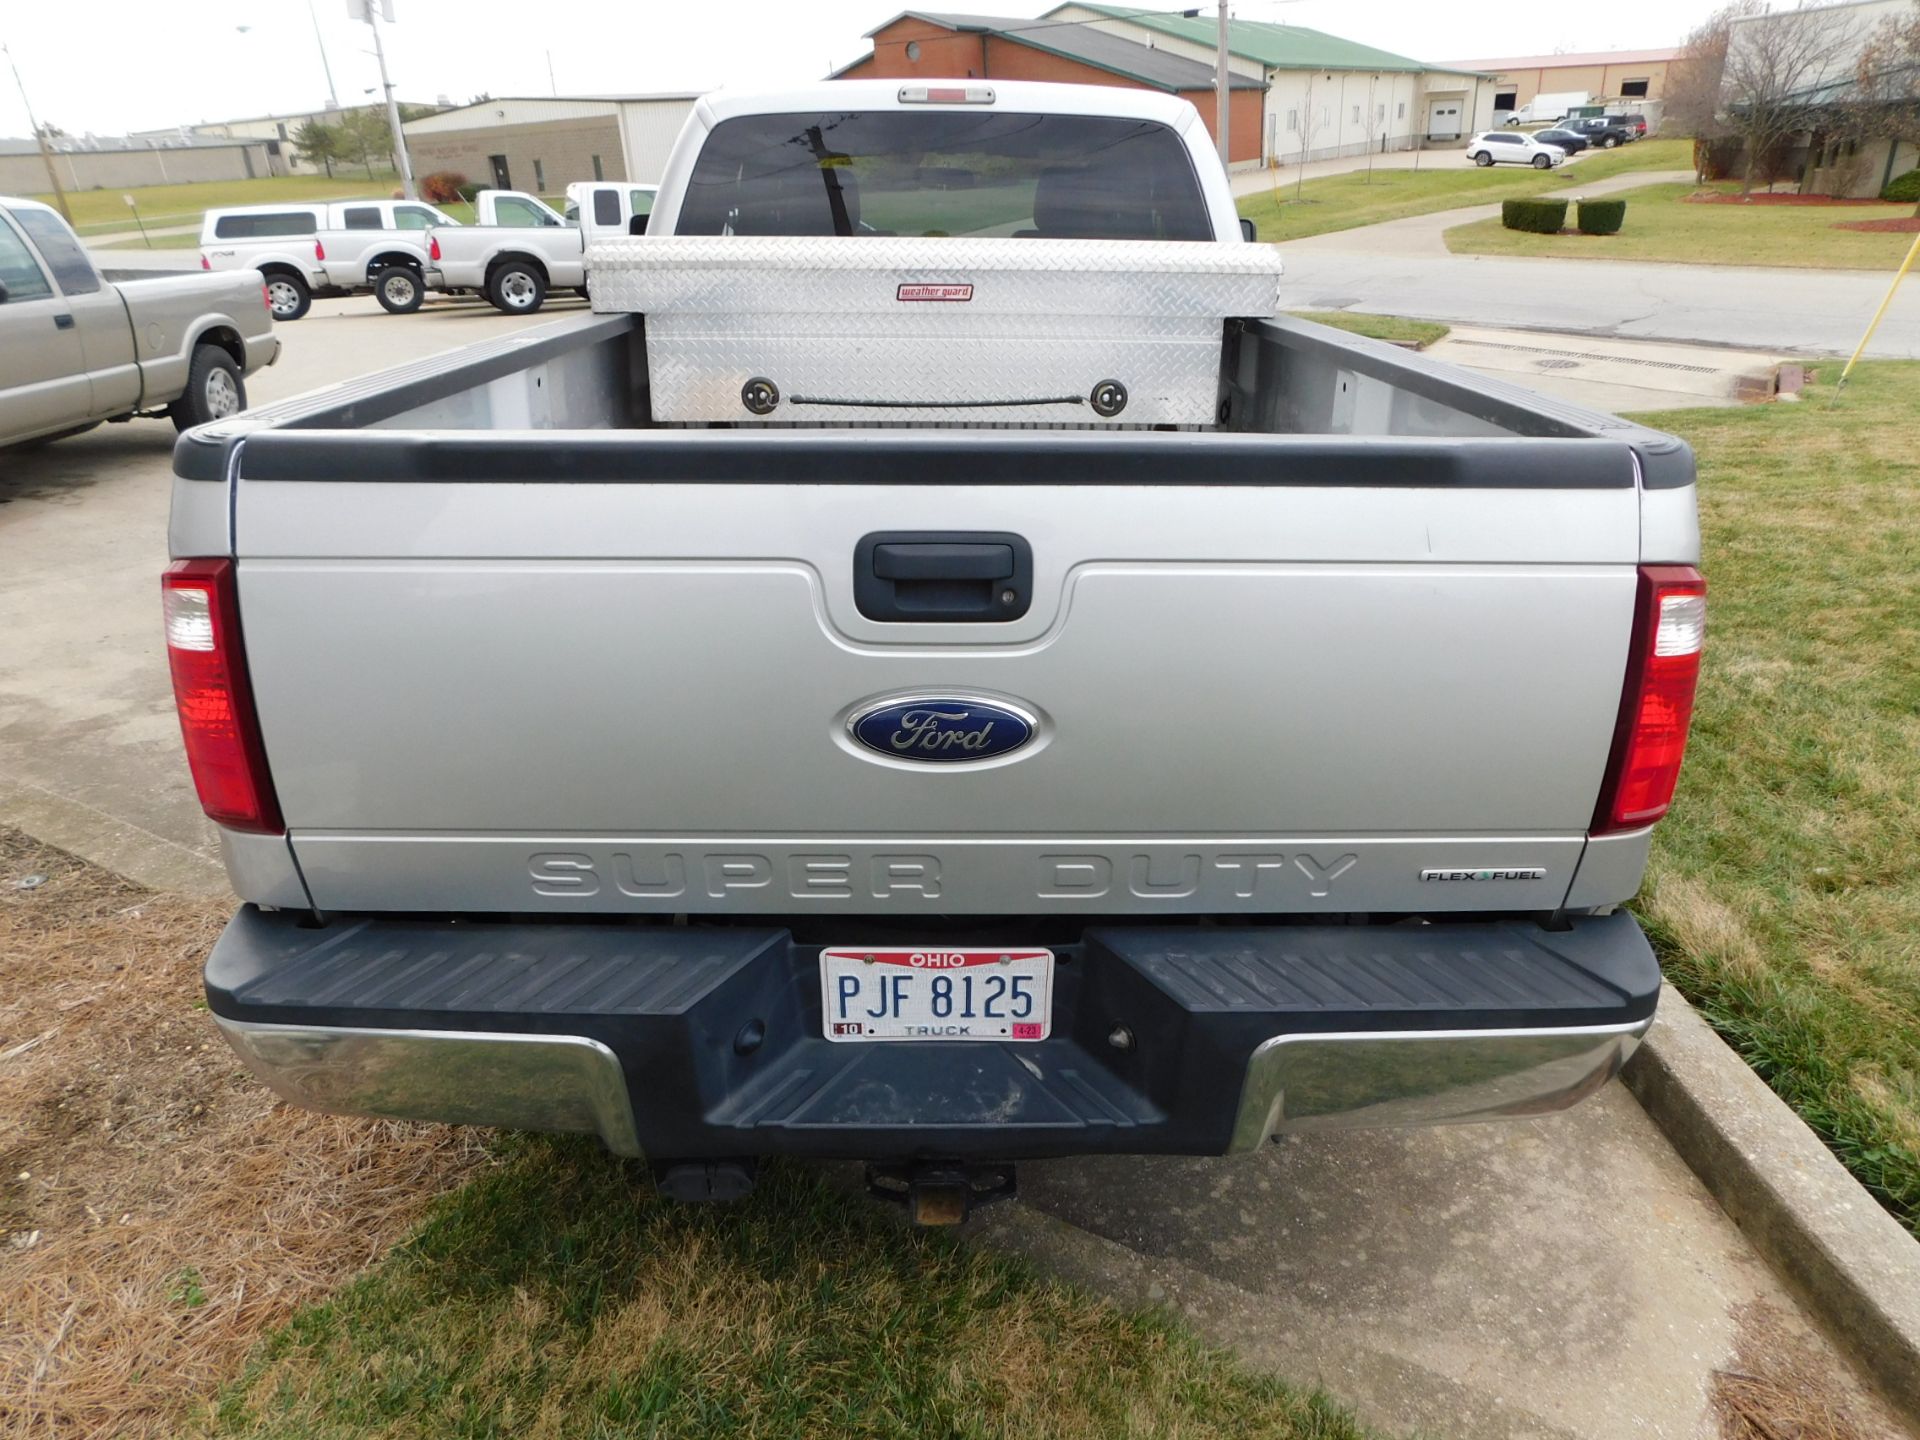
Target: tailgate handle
pixel 943 562
pixel 943 577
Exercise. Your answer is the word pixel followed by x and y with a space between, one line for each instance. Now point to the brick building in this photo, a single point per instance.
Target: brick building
pixel 930 45
pixel 544 143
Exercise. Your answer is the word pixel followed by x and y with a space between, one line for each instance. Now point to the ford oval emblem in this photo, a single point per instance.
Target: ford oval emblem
pixel 941 729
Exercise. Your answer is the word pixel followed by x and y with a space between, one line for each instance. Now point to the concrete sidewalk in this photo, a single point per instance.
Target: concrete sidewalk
pixel 1566 1278
pixel 1609 374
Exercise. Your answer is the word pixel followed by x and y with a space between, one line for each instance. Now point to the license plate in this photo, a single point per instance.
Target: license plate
pixel 936 994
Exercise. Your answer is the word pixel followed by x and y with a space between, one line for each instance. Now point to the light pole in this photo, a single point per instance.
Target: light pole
pixel 1222 81
pixel 365 10
pixel 46 152
pixel 333 102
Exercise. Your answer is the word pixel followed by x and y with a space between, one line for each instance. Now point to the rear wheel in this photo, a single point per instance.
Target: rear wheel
pixel 517 288
pixel 398 289
pixel 1482 158
pixel 288 294
pixel 1608 142
pixel 215 390
pixel 1543 162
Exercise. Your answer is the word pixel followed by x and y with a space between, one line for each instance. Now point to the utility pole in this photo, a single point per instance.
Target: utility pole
pixel 1222 80
pixel 333 101
pixel 367 9
pixel 46 152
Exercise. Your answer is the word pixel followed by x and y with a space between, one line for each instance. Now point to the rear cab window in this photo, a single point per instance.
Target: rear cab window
pixel 19 271
pixel 942 172
pixel 265 226
pixel 72 270
pixel 361 217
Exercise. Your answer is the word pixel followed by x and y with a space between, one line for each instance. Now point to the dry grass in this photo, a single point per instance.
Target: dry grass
pixel 1780 1386
pixel 158 1211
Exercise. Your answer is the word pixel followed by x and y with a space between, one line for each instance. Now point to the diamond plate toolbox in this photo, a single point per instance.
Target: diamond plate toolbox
pixel 832 330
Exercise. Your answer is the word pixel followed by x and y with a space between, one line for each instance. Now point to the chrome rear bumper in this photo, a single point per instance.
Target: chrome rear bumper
pixel 698 1041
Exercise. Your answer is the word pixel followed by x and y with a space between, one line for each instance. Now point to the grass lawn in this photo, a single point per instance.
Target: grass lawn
pixel 1784 892
pixel 557 1298
pixel 1663 225
pixel 187 240
pixel 1379 327
pixel 102 212
pixel 1445 181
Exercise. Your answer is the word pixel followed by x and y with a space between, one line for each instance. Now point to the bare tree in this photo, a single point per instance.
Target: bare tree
pixel 1694 77
pixel 1376 113
pixel 1770 81
pixel 1304 126
pixel 1885 104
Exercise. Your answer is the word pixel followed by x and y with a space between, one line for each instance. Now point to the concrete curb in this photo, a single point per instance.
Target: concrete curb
pixel 127 850
pixel 1852 1262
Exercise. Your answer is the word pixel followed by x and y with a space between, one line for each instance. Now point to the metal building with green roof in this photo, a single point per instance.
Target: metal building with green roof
pixel 1326 96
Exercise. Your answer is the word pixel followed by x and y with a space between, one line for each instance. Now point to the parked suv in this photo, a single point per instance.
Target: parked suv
pixel 1503 147
pixel 1601 133
pixel 1633 122
pixel 1571 141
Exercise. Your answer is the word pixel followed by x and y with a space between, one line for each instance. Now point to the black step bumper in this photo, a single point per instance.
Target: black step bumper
pixel 695 1041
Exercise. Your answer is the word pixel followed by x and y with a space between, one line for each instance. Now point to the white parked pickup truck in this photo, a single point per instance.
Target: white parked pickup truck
pixel 522 249
pixel 281 242
pixel 937 670
pixel 77 350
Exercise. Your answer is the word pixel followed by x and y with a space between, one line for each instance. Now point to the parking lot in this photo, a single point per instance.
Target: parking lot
pixel 1558 1277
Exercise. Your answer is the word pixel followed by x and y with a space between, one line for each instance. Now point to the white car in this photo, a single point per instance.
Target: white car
pixel 1504 147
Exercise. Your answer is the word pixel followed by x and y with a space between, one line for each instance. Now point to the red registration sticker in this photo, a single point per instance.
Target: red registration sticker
pixel 936 994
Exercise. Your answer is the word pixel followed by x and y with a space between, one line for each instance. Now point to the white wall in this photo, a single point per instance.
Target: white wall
pixel 648 129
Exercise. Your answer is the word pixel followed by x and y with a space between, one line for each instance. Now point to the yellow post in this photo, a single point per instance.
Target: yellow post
pixel 1913 253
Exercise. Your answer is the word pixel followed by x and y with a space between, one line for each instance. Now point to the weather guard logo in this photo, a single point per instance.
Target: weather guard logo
pixel 947 293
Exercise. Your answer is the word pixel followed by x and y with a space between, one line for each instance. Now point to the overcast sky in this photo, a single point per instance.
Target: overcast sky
pixel 115 65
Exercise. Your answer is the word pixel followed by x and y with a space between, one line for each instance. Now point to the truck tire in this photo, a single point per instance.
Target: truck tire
pixel 1482 158
pixel 215 390
pixel 288 294
pixel 398 289
pixel 517 287
pixel 1607 142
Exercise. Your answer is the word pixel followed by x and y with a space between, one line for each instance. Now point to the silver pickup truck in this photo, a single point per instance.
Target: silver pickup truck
pixel 913 724
pixel 76 350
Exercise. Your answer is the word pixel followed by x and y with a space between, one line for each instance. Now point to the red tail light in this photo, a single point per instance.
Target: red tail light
pixel 433 247
pixel 1656 707
pixel 215 702
pixel 205 264
pixel 266 297
pixel 319 251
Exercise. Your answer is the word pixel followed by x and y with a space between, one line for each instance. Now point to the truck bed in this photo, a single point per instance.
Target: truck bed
pixel 1374 624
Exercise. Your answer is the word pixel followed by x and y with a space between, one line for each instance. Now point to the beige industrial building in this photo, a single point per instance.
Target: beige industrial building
pixel 544 143
pixel 122 163
pixel 1603 74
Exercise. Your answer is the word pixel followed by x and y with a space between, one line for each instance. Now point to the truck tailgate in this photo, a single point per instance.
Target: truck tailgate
pixel 606 673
